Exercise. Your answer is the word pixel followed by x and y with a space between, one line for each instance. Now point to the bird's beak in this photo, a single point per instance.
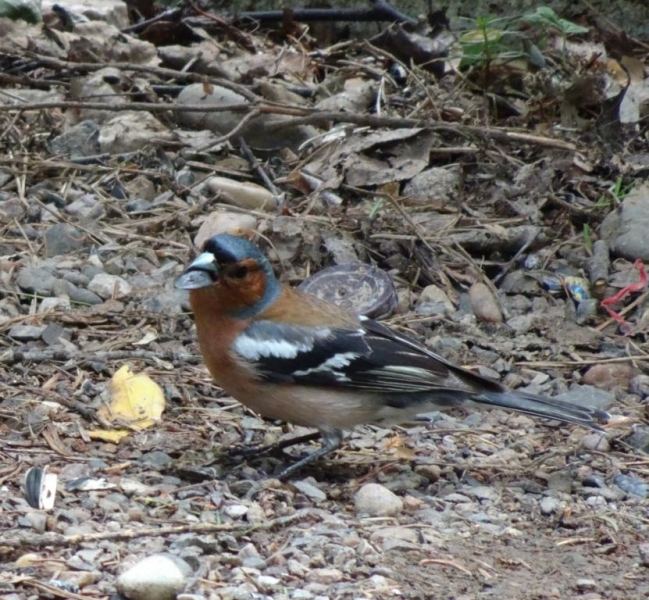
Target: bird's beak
pixel 202 272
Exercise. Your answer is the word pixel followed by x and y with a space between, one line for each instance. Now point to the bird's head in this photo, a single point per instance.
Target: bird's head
pixel 236 271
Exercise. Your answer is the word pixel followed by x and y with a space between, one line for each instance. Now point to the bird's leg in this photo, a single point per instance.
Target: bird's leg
pixel 252 451
pixel 332 439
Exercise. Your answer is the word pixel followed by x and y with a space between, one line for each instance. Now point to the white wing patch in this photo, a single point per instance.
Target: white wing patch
pixel 254 349
pixel 337 361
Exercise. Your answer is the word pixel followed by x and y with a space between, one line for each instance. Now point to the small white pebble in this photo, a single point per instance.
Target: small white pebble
pixel 156 577
pixel 377 501
pixel 596 442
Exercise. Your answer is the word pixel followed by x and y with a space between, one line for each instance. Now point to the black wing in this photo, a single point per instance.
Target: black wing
pixel 372 357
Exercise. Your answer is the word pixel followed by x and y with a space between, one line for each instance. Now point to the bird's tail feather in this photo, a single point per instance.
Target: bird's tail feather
pixel 550 408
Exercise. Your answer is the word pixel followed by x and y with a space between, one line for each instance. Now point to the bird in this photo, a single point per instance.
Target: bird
pixel 291 356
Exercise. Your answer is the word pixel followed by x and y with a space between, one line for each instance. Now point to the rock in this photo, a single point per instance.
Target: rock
pixel 632 485
pixel 256 131
pixel 586 395
pixel 109 286
pixel 53 333
pixel 224 222
pixel 521 323
pixel 482 492
pixel 433 300
pixel 311 491
pixel 36 280
pixel 640 385
pixel 63 238
pixel 142 188
pixel 235 511
pixel 87 206
pixel 243 194
pixel 82 296
pixel 54 304
pixel 405 534
pixel 595 441
pixel 376 500
pixel 80 140
pixel 129 130
pixel 166 302
pixel 26 333
pixel 156 459
pixel 324 576
pixel 437 186
pixel 156 577
pixel 484 304
pixel 549 505
pixel 625 228
pixel 643 551
pixel 586 585
pixel 138 205
pixel 430 472
pixel 267 582
pixel 114 12
pixel 610 377
pixel 639 438
pixel 356 96
pixel 37 520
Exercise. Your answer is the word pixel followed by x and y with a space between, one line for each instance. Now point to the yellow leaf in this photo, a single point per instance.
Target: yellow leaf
pixel 113 437
pixel 134 399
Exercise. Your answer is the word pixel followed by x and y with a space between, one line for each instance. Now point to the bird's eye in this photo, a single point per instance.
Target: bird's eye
pixel 240 272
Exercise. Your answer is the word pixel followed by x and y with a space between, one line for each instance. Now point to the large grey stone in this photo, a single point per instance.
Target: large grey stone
pixel 625 228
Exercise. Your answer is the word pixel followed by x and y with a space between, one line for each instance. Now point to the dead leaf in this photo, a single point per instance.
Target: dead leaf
pixel 135 399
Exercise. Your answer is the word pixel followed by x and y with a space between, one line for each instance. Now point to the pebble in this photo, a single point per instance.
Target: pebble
pixel 587 395
pixel 156 458
pixel 437 297
pixel 53 334
pixel 482 492
pixel 27 333
pixel 83 296
pixel 37 520
pixel 268 582
pixel 36 280
pixel 643 550
pixel 376 500
pixel 108 286
pixel 640 385
pixel 632 485
pixel 81 139
pixel 522 323
pixel 586 585
pixel 63 238
pixel 484 304
pixel 224 222
pixel 324 576
pixel 639 438
pixel 51 303
pixel 430 472
pixel 310 490
pixel 434 185
pixel 156 577
pixel 549 505
pixel 596 442
pixel 625 229
pixel 235 511
pixel 404 534
pixel 612 376
pixel 243 194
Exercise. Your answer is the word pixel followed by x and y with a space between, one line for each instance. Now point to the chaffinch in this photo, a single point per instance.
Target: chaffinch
pixel 291 356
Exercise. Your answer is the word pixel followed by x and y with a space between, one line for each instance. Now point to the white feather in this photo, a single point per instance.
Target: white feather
pixel 253 349
pixel 337 361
